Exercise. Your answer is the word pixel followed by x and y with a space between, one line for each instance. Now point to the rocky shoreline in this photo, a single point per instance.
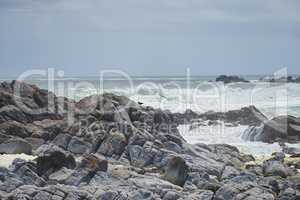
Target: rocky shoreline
pixel 109 147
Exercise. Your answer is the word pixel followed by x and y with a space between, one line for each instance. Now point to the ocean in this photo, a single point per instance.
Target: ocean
pixel 198 93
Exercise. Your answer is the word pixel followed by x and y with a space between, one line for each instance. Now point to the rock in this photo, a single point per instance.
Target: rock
pixel 245 116
pixel 78 146
pixel 14 128
pixel 230 79
pixel 276 168
pixel 243 190
pixel 89 166
pixel 35 142
pixel 12 113
pixel 62 140
pixel 52 159
pixel 114 144
pixel 200 195
pixel 281 129
pixel 141 157
pixel 176 171
pixel 229 172
pixel 61 175
pixel 289 194
pixel 16 146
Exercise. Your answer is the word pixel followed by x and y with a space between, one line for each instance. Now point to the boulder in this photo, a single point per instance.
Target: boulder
pixel 277 168
pixel 12 113
pixel 62 140
pixel 16 146
pixel 78 146
pixel 51 159
pixel 230 79
pixel 114 144
pixel 243 190
pixel 89 166
pixel 176 171
pixel 14 128
pixel 278 129
pixel 229 172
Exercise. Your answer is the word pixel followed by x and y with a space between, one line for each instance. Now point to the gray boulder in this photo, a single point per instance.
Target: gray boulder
pixel 51 159
pixel 176 171
pixel 16 146
pixel 78 146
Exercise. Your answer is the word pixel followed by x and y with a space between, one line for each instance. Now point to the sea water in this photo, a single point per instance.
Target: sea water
pixel 198 93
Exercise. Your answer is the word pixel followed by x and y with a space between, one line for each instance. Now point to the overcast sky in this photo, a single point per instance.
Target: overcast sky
pixel 150 37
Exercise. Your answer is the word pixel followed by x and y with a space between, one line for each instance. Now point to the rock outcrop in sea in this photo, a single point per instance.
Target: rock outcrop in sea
pixel 109 147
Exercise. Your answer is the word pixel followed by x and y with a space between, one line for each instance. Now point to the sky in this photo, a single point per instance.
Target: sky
pixel 150 37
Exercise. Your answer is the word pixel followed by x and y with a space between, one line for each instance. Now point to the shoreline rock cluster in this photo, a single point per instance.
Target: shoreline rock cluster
pixel 109 147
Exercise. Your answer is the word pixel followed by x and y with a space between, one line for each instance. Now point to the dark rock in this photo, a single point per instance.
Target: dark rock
pixel 52 159
pixel 280 129
pixel 230 79
pixel 176 171
pixel 14 128
pixel 243 190
pixel 88 167
pixel 62 140
pixel 12 113
pixel 16 146
pixel 114 144
pixel 78 146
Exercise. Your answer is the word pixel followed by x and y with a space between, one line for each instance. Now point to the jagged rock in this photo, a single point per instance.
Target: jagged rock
pixel 278 129
pixel 61 175
pixel 14 128
pixel 141 157
pixel 12 113
pixel 114 144
pixel 176 171
pixel 88 167
pixel 277 168
pixel 16 146
pixel 52 159
pixel 243 190
pixel 78 146
pixel 62 140
pixel 229 172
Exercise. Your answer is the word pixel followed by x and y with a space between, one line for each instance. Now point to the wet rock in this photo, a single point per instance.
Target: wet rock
pixel 176 171
pixel 16 146
pixel 283 129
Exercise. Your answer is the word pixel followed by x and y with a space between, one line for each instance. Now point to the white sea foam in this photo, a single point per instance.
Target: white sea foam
pixel 7 159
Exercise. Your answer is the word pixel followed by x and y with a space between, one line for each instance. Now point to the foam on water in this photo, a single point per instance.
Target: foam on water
pixel 177 95
pixel 221 134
